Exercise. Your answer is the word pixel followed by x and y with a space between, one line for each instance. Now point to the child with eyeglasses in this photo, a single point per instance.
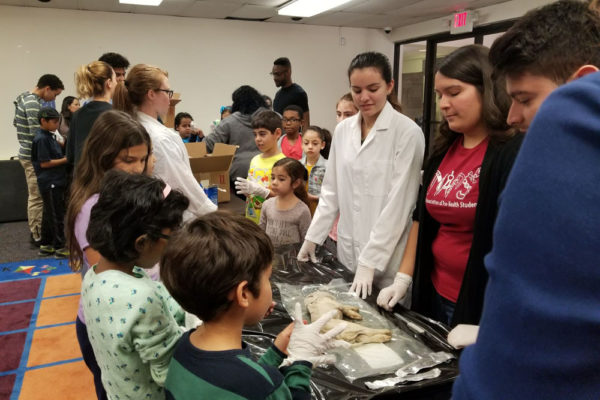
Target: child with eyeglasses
pixel 133 323
pixel 291 143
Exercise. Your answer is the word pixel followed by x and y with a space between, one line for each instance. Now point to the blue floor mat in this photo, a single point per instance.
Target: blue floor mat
pixel 32 268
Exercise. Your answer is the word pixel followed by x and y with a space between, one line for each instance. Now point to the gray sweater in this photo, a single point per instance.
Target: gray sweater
pixel 237 130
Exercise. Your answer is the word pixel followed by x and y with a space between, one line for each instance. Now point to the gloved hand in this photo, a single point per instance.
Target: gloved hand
pixel 247 188
pixel 463 335
pixel 363 281
pixel 307 250
pixel 389 296
pixel 309 344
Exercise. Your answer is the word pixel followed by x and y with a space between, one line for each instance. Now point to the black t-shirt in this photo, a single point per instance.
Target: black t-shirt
pixel 81 125
pixel 293 94
pixel 45 148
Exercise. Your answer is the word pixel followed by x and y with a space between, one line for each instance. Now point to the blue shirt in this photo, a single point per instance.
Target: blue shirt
pixel 540 329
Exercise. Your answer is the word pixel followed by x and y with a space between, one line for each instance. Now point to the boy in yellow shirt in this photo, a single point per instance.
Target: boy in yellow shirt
pixel 267 130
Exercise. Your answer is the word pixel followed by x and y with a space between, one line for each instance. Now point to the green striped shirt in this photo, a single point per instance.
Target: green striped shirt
pixel 27 107
pixel 233 375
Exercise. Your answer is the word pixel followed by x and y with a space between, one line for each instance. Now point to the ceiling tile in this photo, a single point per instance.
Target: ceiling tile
pixel 212 9
pixel 380 6
pixel 107 5
pixel 356 13
pixel 167 7
pixel 254 12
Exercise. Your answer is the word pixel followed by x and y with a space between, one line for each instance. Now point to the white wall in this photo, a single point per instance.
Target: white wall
pixel 486 15
pixel 206 59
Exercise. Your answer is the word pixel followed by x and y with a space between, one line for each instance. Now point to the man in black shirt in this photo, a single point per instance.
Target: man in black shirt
pixel 290 93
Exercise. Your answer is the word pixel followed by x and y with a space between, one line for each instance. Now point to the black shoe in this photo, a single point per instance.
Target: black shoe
pixel 34 244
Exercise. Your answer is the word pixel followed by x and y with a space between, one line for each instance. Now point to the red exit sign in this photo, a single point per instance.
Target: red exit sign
pixel 461 22
pixel 460 19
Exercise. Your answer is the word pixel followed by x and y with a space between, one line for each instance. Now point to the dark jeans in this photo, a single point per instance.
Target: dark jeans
pixel 443 309
pixel 53 216
pixel 89 358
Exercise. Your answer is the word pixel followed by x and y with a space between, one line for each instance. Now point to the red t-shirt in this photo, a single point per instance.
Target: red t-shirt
pixel 294 151
pixel 451 200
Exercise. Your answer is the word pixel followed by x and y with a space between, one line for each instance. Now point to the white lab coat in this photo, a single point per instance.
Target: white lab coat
pixel 173 166
pixel 374 187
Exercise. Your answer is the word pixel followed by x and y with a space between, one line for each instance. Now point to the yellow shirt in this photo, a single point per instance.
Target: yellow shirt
pixel 259 171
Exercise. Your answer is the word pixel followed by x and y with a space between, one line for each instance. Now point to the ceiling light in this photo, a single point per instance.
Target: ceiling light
pixel 308 8
pixel 142 2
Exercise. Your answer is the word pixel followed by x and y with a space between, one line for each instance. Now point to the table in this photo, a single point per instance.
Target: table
pixel 329 383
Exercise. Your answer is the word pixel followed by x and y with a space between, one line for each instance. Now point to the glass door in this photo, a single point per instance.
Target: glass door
pixel 415 64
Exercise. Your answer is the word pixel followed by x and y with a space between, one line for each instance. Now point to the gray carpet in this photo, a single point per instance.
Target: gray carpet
pixel 14 242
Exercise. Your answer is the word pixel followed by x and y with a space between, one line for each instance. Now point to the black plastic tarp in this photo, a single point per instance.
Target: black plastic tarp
pixel 329 383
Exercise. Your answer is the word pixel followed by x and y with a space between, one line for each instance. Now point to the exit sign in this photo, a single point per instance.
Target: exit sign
pixel 461 22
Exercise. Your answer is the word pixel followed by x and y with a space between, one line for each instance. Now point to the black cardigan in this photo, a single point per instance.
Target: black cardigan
pixel 495 168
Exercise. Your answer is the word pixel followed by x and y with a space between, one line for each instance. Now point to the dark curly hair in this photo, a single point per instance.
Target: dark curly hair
pixel 246 100
pixel 129 206
pixel 115 60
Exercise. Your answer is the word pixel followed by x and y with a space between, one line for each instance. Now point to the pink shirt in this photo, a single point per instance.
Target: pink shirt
pixel 81 224
pixel 294 151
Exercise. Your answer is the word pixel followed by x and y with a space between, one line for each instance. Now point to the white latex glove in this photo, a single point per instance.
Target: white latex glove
pixel 307 251
pixel 246 187
pixel 463 335
pixel 363 281
pixel 309 344
pixel 389 296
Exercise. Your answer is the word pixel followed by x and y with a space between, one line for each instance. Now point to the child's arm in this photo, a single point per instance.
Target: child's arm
pixel 296 378
pixel 53 163
pixel 304 222
pixel 263 218
pixel 156 333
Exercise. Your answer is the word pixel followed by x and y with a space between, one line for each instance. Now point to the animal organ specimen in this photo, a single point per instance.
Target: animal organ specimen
pixel 319 303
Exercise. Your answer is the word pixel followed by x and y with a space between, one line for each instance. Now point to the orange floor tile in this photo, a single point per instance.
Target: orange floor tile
pixel 57 311
pixel 55 344
pixel 70 381
pixel 62 284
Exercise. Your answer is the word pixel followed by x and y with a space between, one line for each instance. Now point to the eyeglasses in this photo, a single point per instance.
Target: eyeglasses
pixel 286 120
pixel 278 73
pixel 169 92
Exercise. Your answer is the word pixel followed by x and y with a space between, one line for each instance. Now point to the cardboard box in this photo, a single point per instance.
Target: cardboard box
pixel 213 167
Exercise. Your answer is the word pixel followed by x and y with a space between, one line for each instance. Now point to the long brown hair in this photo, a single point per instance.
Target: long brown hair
pixel 140 79
pixel 295 170
pixel 112 132
pixel 470 64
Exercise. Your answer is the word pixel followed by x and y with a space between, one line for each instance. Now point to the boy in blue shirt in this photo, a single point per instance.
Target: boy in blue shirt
pixel 50 168
pixel 218 268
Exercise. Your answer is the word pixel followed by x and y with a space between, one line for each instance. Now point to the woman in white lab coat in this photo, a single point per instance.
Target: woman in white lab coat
pixel 372 180
pixel 146 94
